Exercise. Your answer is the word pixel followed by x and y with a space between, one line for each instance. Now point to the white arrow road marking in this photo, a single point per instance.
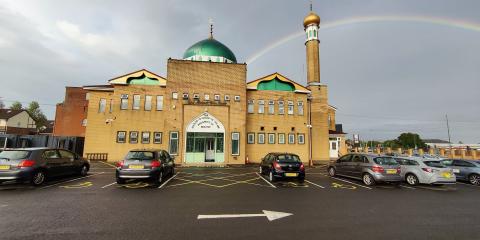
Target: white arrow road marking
pixel 271 215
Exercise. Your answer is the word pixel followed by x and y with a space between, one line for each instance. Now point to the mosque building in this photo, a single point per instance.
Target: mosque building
pixel 204 112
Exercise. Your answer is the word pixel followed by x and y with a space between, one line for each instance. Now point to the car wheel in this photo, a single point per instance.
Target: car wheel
pixel 83 171
pixel 38 178
pixel 332 172
pixel 271 177
pixel 474 179
pixel 159 178
pixel 121 180
pixel 368 179
pixel 412 179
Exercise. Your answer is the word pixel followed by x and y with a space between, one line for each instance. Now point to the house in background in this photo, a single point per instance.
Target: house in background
pixel 16 122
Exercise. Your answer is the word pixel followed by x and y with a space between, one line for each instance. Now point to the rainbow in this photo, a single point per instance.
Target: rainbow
pixel 449 22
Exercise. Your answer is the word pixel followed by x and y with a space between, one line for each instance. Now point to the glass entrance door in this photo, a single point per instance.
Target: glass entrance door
pixel 210 150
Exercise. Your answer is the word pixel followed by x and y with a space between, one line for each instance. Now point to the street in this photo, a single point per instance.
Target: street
pixel 95 207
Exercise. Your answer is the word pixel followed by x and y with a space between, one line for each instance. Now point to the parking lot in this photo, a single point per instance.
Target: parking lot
pixel 192 205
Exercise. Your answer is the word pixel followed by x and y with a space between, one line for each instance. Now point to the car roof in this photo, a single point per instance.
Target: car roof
pixel 28 149
pixel 146 150
pixel 371 154
pixel 282 153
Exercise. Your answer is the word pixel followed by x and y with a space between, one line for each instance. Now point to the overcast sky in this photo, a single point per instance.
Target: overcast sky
pixel 384 77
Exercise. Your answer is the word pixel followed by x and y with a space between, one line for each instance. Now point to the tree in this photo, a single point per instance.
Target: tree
pixel 16 106
pixel 410 140
pixel 34 110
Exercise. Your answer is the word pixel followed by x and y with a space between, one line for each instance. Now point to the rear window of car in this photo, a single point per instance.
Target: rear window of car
pixel 14 155
pixel 436 164
pixel 288 158
pixel 385 161
pixel 139 155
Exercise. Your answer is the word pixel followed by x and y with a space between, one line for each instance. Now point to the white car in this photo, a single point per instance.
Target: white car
pixel 416 170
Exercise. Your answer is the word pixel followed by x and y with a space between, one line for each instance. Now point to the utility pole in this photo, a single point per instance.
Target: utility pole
pixel 448 130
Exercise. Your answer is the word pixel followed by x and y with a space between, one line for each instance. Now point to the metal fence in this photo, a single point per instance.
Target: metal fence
pixel 74 144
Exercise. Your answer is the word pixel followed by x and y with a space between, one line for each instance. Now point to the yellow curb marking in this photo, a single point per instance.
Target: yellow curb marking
pixel 80 185
pixel 338 185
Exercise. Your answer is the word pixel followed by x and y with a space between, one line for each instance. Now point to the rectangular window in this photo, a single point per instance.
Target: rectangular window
pixel 251 138
pixel 173 147
pixel 216 97
pixel 136 102
pixel 145 137
pixel 281 138
pixel 196 96
pixel 301 138
pixel 133 137
pixel 261 106
pixel 148 103
pixel 290 107
pixel 111 105
pixel 157 137
pixel 271 138
pixel 185 96
pixel 237 98
pixel 235 143
pixel 174 95
pixel 206 97
pixel 124 102
pixel 121 135
pixel 291 138
pixel 102 105
pixel 261 138
pixel 159 103
pixel 227 98
pixel 250 107
pixel 281 107
pixel 271 107
pixel 300 108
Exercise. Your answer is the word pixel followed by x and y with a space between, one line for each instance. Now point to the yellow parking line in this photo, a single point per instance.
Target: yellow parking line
pixel 75 179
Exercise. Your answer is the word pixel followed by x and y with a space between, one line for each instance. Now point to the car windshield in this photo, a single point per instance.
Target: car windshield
pixel 288 158
pixel 436 164
pixel 385 161
pixel 139 155
pixel 14 155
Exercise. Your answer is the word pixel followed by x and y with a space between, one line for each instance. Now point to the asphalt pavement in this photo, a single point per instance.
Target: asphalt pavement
pixel 235 203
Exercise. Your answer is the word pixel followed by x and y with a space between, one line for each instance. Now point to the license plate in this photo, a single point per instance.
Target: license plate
pixel 4 167
pixel 456 170
pixel 447 175
pixel 391 171
pixel 135 166
pixel 290 174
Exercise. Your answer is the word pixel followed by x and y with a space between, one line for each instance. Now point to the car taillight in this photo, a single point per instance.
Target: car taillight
pixel 156 164
pixel 26 163
pixel 120 164
pixel 377 169
pixel 302 167
pixel 429 170
pixel 277 166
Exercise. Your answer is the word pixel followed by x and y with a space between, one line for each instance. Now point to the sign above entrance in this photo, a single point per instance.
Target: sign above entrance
pixel 206 123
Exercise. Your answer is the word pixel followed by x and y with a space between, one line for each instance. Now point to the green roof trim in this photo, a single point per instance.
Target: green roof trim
pixel 211 48
pixel 143 80
pixel 276 85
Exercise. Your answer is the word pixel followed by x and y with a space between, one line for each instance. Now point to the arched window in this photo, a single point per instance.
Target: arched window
pixel 309 33
pixel 314 33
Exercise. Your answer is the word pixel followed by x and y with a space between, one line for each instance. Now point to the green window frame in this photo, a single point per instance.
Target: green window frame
pixel 235 143
pixel 250 138
pixel 173 143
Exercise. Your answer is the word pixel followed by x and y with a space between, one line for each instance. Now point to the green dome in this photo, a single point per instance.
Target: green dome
pixel 209 50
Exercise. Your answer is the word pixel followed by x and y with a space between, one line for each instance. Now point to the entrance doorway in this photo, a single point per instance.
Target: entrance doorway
pixel 333 148
pixel 210 150
pixel 204 147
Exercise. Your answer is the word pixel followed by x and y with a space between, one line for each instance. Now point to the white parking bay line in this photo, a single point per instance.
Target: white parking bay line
pixel 407 187
pixel 71 180
pixel 269 183
pixel 168 180
pixel 356 184
pixel 108 185
pixel 314 184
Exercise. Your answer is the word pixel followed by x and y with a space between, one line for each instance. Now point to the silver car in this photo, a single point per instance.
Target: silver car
pixel 417 170
pixel 465 170
pixel 370 168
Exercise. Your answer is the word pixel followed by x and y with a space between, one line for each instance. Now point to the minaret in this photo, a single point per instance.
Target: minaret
pixel 318 98
pixel 311 24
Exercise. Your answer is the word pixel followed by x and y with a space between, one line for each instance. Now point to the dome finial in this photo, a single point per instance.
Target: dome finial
pixel 210 21
pixel 311 6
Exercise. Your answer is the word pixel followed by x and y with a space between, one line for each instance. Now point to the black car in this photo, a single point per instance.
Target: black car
pixel 35 165
pixel 153 164
pixel 282 165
